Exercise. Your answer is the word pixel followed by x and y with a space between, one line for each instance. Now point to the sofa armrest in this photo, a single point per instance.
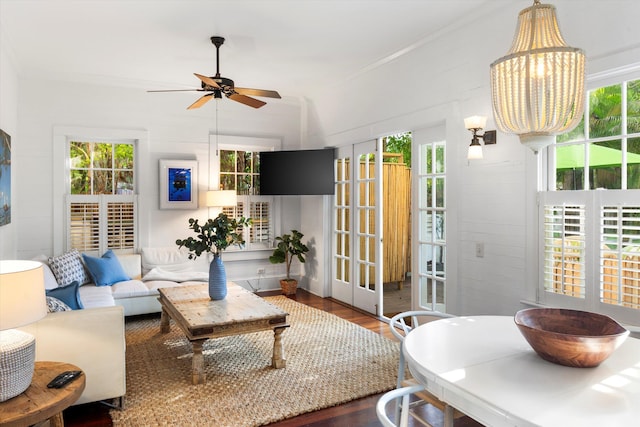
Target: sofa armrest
pixel 92 339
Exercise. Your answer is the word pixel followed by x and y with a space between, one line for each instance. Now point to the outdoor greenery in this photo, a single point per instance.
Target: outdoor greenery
pixel 605 123
pixel 101 167
pixel 219 233
pixel 399 143
pixel 240 171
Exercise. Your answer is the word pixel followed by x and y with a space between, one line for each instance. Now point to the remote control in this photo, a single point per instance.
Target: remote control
pixel 63 379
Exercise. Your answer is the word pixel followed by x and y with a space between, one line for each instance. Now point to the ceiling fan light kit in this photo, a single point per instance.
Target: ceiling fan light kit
pixel 218 85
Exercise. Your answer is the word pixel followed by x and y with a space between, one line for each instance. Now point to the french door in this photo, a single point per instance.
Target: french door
pixel 357 238
pixel 429 281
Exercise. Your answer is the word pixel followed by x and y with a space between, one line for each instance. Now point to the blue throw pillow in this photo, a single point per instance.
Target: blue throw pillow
pixel 67 294
pixel 105 271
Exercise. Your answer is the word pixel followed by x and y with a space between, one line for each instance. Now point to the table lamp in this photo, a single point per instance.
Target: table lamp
pixel 221 198
pixel 22 301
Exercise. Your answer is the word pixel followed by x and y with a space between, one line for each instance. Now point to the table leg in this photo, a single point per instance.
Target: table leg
pixel 56 420
pixel 448 416
pixel 279 360
pixel 164 321
pixel 197 368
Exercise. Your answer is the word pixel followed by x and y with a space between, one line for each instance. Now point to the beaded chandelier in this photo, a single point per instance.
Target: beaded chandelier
pixel 538 87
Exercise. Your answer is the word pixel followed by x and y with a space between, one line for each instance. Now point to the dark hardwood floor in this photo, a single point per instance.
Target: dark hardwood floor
pixel 358 413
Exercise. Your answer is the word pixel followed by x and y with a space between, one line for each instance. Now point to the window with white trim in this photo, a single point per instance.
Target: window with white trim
pixel 590 240
pixel 604 153
pixel 101 204
pixel 238 168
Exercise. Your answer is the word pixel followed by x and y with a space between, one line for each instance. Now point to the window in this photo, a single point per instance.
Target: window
pixel 605 153
pixel 240 171
pixel 238 160
pixel 591 239
pixel 101 168
pixel 101 203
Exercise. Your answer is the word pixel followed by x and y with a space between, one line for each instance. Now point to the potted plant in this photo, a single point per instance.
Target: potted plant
pixel 289 247
pixel 214 236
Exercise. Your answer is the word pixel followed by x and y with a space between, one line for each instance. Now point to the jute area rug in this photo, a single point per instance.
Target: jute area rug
pixel 329 361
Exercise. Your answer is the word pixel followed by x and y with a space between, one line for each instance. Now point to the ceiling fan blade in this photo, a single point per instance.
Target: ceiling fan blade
pixel 257 92
pixel 177 90
pixel 200 102
pixel 207 80
pixel 251 102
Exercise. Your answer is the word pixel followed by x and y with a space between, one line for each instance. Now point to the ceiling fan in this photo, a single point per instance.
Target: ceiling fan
pixel 218 85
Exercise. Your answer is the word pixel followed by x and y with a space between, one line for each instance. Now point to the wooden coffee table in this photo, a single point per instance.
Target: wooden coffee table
pixel 200 318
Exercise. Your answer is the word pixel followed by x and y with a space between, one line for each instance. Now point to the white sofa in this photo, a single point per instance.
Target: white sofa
pixel 91 339
pixel 153 268
pixel 94 338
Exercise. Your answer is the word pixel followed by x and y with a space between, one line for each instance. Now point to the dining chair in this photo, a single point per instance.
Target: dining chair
pixel 403 393
pixel 401 324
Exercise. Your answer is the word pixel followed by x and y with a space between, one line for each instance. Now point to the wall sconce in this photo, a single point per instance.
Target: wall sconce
pixel 221 198
pixel 476 124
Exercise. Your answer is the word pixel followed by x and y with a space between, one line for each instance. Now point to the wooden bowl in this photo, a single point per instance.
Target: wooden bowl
pixel 570 337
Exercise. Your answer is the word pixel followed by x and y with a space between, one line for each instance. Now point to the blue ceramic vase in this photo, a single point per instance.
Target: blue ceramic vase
pixel 217 279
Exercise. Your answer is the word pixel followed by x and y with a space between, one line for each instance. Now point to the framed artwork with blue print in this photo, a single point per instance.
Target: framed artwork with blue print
pixel 178 184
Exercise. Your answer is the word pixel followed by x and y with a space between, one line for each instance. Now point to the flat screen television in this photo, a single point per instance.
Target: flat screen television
pixel 297 172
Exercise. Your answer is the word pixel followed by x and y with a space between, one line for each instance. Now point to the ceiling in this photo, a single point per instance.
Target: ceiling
pixel 297 47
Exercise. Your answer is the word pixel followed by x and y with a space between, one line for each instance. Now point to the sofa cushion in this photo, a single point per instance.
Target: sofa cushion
pixel 176 276
pixel 68 294
pixel 106 270
pixel 172 259
pixel 68 268
pixel 96 296
pixel 54 305
pixel 129 289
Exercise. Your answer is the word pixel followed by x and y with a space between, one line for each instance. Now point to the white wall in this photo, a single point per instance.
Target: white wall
pixel 446 79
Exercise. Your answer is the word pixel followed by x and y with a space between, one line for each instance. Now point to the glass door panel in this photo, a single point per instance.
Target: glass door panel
pixel 368 218
pixel 341 287
pixel 431 226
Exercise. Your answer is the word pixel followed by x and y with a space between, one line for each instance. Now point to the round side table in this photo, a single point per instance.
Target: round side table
pixel 38 403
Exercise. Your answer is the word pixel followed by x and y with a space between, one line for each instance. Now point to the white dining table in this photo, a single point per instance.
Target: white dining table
pixel 483 366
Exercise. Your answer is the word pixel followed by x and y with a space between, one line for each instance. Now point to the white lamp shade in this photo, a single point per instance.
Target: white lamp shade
pixel 538 87
pixel 475 152
pixel 219 198
pixel 22 296
pixel 475 122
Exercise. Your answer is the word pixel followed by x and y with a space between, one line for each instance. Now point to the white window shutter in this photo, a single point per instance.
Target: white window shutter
pixel 259 209
pixel 98 223
pixel 121 224
pixel 261 232
pixel 564 250
pixel 83 224
pixel 620 255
